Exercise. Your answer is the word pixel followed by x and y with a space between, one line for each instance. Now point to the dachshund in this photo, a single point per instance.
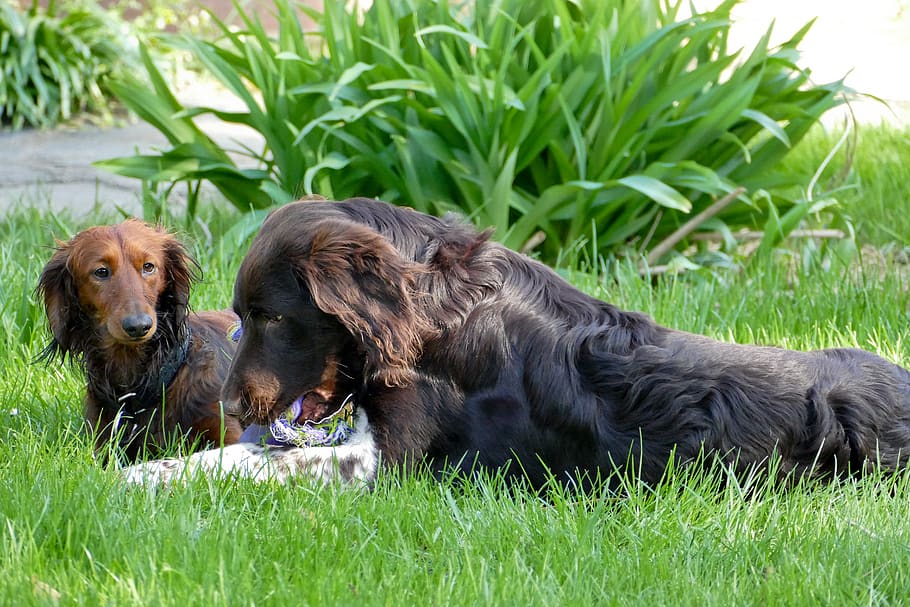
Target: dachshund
pixel 117 303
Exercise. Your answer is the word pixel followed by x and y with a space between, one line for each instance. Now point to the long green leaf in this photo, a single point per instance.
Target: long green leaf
pixel 560 116
pixel 657 191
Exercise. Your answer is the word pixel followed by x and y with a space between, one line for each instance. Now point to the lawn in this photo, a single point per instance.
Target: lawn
pixel 868 175
pixel 74 534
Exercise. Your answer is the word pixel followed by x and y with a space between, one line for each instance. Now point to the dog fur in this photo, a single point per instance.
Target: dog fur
pixel 462 353
pixel 117 302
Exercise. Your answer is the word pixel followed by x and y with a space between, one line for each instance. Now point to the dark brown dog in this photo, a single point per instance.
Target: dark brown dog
pixel 460 352
pixel 116 299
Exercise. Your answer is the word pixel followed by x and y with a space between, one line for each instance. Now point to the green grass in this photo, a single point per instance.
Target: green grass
pixel 73 534
pixel 868 176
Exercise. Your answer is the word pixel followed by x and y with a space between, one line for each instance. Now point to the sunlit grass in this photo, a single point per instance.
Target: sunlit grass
pixel 74 534
pixel 868 175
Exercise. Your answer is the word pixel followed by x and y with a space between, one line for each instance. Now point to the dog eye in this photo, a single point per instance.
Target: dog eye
pixel 148 267
pixel 102 272
pixel 273 320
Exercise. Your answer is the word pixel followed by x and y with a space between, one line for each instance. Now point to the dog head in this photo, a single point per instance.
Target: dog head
pixel 115 286
pixel 326 304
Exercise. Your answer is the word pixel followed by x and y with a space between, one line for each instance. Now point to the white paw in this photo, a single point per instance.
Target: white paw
pixel 158 472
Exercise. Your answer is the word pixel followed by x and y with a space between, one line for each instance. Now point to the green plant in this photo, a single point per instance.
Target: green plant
pixel 550 120
pixel 54 62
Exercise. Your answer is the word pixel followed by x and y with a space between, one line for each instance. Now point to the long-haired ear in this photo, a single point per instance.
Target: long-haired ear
pixel 69 324
pixel 356 275
pixel 181 271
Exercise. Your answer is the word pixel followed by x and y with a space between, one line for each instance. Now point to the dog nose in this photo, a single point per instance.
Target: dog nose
pixel 232 406
pixel 137 326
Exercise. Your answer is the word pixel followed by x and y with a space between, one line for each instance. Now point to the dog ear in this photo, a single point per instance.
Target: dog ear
pixel 356 275
pixel 68 322
pixel 181 271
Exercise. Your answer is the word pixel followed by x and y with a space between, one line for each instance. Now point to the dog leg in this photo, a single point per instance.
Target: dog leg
pixel 352 463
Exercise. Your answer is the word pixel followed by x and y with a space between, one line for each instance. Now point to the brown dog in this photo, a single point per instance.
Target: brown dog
pixel 116 299
pixel 459 353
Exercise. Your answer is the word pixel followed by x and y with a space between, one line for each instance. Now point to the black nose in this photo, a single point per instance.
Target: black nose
pixel 137 326
pixel 232 407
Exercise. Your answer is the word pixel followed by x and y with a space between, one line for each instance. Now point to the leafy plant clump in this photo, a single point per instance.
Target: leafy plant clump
pixel 54 61
pixel 551 120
